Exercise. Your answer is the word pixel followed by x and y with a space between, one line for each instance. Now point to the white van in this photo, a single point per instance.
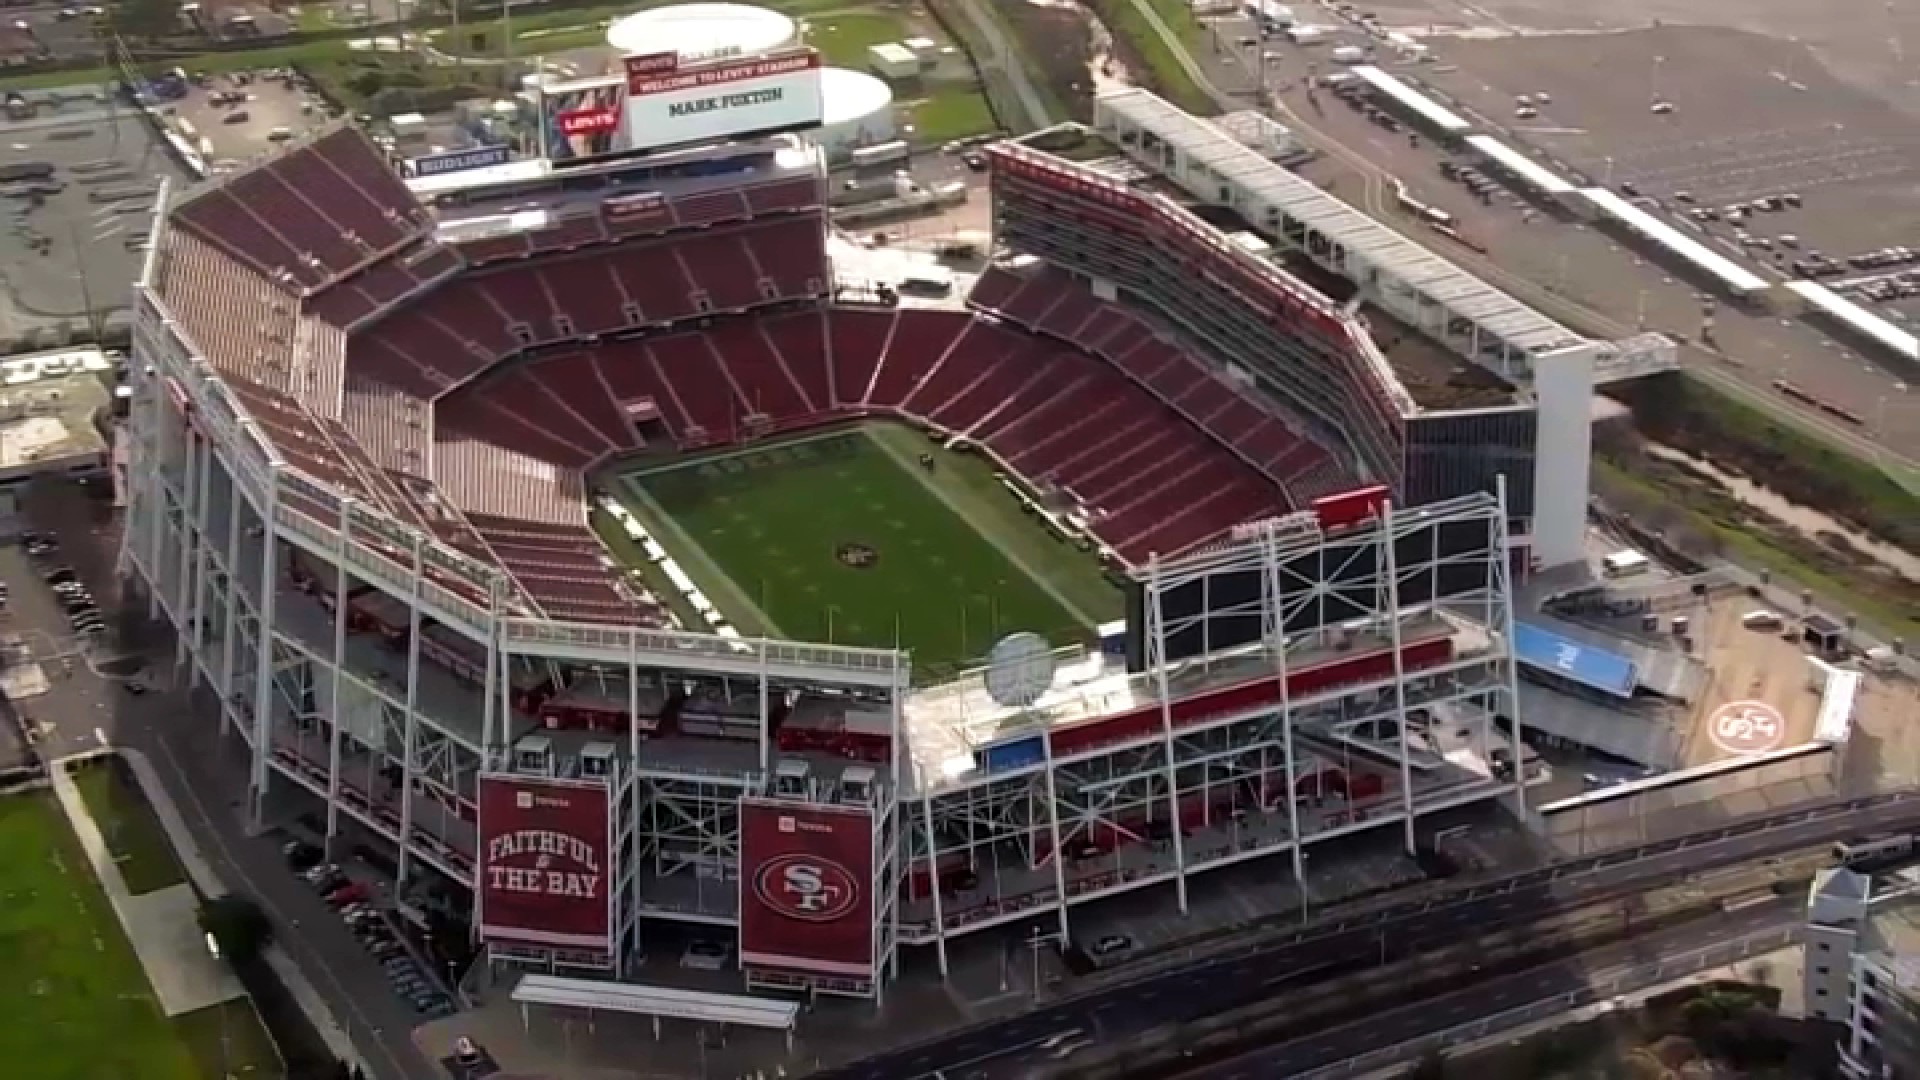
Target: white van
pixel 1622 564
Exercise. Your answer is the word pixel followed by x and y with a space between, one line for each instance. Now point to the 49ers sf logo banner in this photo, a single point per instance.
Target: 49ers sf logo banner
pixel 806 887
pixel 807 900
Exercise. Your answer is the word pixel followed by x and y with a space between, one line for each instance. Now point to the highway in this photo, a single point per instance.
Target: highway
pixel 1218 985
pixel 1569 981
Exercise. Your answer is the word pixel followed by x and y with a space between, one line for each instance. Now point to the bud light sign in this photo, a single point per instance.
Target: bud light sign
pixel 543 877
pixel 806 900
pixel 453 161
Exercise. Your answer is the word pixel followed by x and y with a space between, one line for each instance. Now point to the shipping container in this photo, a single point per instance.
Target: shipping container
pixel 881 153
pixel 1350 507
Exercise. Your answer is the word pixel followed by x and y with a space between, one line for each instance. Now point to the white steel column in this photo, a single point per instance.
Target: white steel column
pixel 933 878
pixel 1277 608
pixel 188 605
pixel 411 737
pixel 1053 826
pixel 630 861
pixel 1389 559
pixel 340 586
pixel 1156 637
pixel 488 716
pixel 230 679
pixel 263 682
pixel 902 863
pixel 1504 581
pixel 193 557
pixel 766 744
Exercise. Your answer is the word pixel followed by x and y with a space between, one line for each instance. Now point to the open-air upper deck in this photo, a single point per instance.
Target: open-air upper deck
pixel 958 733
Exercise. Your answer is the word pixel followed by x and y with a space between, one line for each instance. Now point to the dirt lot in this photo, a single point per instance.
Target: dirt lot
pixel 1762 694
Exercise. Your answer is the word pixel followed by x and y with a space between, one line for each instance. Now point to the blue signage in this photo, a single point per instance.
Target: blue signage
pixel 477 157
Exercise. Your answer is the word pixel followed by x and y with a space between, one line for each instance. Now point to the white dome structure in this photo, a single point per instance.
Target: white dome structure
pixel 702 31
pixel 856 111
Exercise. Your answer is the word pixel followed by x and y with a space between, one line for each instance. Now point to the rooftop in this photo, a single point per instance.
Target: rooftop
pixel 1893 930
pixel 1393 254
pixel 48 403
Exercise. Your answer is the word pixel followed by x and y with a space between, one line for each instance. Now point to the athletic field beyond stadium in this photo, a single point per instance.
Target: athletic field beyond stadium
pixel 75 1002
pixel 870 535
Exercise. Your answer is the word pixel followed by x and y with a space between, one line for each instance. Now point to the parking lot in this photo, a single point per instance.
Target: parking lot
pixel 73 236
pixel 64 30
pixel 233 118
pixel 1747 118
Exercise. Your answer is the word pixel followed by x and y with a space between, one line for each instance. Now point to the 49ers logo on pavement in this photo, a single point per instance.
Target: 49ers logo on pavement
pixel 807 888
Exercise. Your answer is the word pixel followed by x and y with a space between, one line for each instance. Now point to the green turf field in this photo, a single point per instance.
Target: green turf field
pixel 75 1002
pixel 842 536
pixel 129 826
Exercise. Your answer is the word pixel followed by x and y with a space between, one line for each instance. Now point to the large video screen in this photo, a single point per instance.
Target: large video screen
pixel 658 103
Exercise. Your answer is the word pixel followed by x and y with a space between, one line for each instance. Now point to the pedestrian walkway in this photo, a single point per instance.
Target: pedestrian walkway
pixel 162 925
pixel 206 881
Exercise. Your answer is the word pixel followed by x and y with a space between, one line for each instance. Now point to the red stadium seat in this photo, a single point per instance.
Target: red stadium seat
pixel 858 340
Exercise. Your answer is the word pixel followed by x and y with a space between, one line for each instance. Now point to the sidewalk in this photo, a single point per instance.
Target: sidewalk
pixel 162 925
pixel 207 882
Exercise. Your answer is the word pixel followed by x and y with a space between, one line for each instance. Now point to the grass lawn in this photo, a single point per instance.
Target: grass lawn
pixel 841 536
pixel 1164 71
pixel 133 834
pixel 76 1004
pixel 844 39
pixel 953 112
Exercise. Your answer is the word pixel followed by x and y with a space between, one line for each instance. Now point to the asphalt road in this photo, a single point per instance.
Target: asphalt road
pixel 205 776
pixel 1220 985
pixel 1569 980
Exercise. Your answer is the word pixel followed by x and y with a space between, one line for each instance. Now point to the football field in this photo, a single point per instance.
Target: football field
pixel 870 536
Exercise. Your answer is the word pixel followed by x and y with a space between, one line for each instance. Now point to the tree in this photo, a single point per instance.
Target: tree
pixel 238 926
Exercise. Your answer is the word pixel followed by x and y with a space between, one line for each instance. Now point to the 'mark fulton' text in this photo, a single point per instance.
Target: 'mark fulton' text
pixel 725 101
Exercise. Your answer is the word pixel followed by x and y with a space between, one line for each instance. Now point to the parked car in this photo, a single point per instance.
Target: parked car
pixel 301 855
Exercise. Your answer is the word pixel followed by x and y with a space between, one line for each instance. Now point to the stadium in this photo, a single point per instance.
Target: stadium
pixel 573 527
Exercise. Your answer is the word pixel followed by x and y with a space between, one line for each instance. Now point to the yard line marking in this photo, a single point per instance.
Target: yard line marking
pixel 990 535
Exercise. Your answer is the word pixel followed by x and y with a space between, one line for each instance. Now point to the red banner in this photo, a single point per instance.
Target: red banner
pixel 595 121
pixel 765 67
pixel 651 64
pixel 806 887
pixel 544 876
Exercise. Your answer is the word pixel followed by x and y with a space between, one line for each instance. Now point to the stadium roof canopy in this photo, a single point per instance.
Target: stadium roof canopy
pixel 1734 277
pixel 669 1003
pixel 1535 175
pixel 1441 117
pixel 1413 266
pixel 1882 331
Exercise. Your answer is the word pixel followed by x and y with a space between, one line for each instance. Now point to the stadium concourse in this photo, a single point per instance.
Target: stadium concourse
pixel 368 422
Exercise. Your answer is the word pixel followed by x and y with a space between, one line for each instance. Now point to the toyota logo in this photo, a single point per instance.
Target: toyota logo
pixel 807 888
